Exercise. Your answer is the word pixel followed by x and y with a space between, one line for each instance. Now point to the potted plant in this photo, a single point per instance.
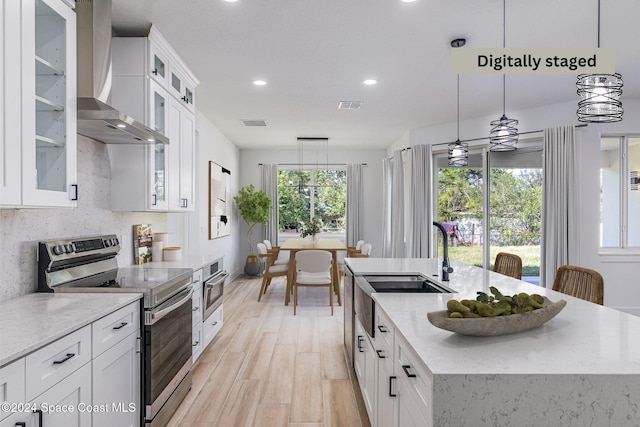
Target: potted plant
pixel 311 228
pixel 254 208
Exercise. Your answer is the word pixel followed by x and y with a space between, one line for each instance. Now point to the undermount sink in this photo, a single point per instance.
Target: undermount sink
pixel 404 283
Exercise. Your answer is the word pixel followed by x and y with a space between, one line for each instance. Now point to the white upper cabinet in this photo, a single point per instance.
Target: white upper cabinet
pixel 153 85
pixel 39 159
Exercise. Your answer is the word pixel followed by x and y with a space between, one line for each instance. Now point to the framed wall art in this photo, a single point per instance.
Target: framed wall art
pixel 219 201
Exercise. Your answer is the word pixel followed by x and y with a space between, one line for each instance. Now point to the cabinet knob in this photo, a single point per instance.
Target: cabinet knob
pixel 155 72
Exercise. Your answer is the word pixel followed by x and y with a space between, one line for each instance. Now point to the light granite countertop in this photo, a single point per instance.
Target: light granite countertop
pixel 580 368
pixel 194 262
pixel 35 320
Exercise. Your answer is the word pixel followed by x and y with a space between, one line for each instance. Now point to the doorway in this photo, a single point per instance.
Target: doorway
pixel 507 186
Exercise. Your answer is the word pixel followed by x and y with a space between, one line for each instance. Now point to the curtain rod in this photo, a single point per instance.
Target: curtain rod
pixel 313 164
pixel 582 125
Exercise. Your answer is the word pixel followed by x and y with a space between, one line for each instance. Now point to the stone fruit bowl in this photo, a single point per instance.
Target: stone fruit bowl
pixel 499 325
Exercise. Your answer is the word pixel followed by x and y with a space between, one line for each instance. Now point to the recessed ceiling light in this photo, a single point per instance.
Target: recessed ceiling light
pixel 259 82
pixel 370 82
pixel 408 1
pixel 231 1
pixel 122 126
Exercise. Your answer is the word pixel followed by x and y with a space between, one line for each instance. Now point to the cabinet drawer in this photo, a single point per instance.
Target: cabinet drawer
pixel 114 327
pixel 54 362
pixel 415 375
pixel 212 325
pixel 384 333
pixel 12 384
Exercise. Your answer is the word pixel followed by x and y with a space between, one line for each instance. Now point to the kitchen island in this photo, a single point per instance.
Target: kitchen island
pixel 580 368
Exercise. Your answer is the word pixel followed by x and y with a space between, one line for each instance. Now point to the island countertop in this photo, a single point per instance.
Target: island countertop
pixel 582 365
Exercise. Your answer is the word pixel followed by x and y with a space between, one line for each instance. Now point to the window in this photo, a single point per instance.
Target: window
pixel 619 192
pixel 493 205
pixel 304 194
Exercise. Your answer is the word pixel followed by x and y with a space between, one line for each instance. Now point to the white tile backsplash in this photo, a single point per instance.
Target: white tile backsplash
pixel 21 229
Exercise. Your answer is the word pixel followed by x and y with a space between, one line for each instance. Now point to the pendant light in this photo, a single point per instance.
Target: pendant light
pixel 458 151
pixel 504 133
pixel 599 94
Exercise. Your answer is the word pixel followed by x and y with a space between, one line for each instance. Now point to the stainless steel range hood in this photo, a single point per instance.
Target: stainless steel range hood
pixel 96 118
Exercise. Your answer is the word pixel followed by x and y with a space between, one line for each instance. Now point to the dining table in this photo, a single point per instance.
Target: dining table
pixel 294 245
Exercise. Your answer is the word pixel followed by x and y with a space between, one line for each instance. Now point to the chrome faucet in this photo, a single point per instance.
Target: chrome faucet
pixel 446 269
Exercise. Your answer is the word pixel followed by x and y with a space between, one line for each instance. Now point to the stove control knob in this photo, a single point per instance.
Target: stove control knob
pixel 107 242
pixel 58 249
pixel 116 242
pixel 69 248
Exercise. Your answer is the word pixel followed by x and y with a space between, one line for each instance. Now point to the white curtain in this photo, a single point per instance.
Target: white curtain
pixel 393 238
pixel 420 217
pixel 559 202
pixel 270 186
pixel 386 206
pixel 355 200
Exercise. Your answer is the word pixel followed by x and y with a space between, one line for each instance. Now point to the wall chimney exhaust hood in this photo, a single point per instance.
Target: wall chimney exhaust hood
pixel 96 118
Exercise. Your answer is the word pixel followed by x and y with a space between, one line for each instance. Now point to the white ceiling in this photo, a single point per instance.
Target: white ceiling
pixel 315 53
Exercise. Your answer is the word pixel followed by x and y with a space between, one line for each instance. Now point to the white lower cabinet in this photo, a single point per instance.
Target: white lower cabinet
pixel 367 371
pixel 396 389
pixel 116 385
pixel 90 377
pixel 65 404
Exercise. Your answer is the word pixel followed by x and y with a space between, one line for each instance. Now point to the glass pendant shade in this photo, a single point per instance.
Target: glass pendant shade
pixel 599 98
pixel 458 153
pixel 504 134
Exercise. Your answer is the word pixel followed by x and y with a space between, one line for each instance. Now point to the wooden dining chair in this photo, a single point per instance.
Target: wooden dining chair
pixel 313 268
pixel 365 251
pixel 580 282
pixel 271 269
pixel 508 264
pixel 281 257
pixel 351 250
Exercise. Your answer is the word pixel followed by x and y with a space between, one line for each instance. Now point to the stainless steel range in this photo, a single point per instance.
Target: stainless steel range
pixel 89 264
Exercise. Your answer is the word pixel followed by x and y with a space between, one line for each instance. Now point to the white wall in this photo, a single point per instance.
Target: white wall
pixel 372 177
pixel 618 270
pixel 213 146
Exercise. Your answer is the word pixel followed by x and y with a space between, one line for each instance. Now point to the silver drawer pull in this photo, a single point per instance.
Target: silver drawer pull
pixel 122 325
pixel 60 362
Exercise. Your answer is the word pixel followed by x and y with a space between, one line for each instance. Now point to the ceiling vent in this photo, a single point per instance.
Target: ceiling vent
pixel 349 105
pixel 253 122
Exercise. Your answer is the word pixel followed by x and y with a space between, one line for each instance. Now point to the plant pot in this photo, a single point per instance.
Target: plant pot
pixel 252 266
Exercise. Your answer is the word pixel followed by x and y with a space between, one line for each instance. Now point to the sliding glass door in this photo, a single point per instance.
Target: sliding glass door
pixel 507 186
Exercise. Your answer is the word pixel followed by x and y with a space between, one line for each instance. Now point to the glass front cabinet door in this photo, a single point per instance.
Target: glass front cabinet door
pixel 159 160
pixel 49 171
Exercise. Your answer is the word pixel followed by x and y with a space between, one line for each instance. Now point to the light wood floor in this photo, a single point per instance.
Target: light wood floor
pixel 269 368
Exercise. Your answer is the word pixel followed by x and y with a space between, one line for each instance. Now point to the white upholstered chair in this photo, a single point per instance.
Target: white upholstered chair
pixel 271 270
pixel 313 268
pixel 281 257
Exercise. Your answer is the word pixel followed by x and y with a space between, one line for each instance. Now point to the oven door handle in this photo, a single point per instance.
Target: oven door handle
pixel 157 315
pixel 212 282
